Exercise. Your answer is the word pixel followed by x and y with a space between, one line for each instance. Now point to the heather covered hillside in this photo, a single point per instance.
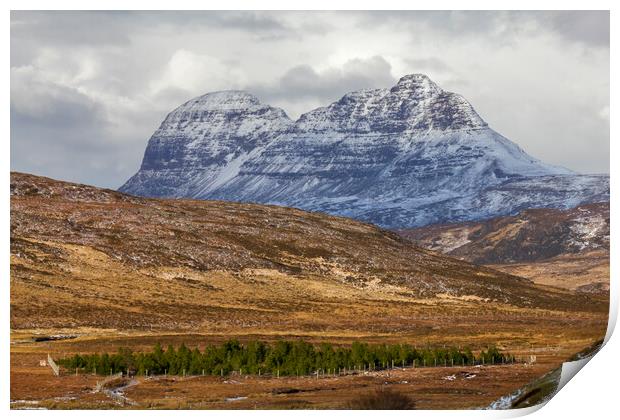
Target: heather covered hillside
pixel 79 252
pixel 564 248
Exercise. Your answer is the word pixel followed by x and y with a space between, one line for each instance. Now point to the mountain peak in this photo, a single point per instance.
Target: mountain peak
pixel 414 104
pixel 418 77
pixel 418 83
pixel 222 100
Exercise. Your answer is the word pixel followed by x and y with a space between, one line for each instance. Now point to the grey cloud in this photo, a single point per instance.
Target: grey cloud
pixel 71 27
pixel 94 162
pixel 81 151
pixel 62 108
pixel 590 27
pixel 85 151
pixel 302 83
pixel 432 64
pixel 64 134
pixel 354 75
pixel 34 30
pixel 442 22
pixel 263 25
pixel 253 21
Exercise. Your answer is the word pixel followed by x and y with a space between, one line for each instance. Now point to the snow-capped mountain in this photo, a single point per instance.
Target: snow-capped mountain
pixel 401 157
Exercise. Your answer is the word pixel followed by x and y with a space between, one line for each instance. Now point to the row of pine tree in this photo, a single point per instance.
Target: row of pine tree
pixel 284 358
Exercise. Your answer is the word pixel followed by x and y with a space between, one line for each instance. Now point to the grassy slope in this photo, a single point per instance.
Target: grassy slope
pixel 560 248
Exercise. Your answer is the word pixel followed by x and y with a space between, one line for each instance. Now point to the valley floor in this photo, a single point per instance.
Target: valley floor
pixel 34 386
pixel 584 272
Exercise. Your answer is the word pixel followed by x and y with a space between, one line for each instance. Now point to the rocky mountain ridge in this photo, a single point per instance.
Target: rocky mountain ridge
pixel 406 156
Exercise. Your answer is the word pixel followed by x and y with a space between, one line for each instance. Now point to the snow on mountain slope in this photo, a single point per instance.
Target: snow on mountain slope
pixel 406 156
pixel 203 143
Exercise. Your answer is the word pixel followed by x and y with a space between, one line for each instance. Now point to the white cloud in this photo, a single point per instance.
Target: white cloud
pixel 193 72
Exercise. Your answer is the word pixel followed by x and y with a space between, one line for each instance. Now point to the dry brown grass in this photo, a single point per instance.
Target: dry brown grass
pixel 381 399
pixel 566 271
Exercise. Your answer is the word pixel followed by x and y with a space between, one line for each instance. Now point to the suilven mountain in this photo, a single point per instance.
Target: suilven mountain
pixel 401 157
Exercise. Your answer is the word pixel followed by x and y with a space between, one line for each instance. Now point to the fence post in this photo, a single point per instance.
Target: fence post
pixel 53 365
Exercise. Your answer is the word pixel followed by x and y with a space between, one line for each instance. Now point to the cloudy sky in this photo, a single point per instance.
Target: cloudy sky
pixel 89 88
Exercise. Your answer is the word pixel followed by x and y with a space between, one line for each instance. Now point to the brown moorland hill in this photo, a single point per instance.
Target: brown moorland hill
pixel 84 256
pixel 562 248
pixel 532 235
